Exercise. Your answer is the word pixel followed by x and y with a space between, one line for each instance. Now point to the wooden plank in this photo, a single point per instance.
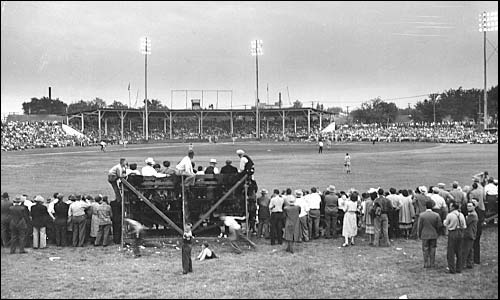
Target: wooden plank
pixel 153 207
pixel 205 215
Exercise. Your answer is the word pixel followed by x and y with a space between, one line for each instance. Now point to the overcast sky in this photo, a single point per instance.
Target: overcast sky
pixel 337 53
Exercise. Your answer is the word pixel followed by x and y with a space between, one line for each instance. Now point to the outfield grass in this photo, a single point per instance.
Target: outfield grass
pixel 278 165
pixel 319 269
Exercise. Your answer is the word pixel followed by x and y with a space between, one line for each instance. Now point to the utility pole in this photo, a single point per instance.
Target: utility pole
pixel 347 114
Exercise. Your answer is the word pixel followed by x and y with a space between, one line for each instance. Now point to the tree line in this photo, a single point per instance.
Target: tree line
pixel 451 105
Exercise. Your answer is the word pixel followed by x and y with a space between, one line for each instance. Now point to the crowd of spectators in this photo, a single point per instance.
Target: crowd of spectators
pixel 30 135
pixel 440 133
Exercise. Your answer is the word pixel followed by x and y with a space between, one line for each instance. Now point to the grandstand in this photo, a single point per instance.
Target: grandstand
pixel 117 125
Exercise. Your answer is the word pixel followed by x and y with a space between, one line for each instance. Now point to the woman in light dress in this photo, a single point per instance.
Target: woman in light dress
pixel 350 225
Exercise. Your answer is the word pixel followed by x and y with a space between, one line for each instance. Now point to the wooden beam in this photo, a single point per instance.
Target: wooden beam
pixel 153 207
pixel 205 215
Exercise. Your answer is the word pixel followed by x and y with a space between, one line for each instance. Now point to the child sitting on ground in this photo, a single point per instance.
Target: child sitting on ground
pixel 206 252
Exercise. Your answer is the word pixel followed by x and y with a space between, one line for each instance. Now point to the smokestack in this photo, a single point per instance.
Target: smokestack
pixel 279 101
pixel 50 93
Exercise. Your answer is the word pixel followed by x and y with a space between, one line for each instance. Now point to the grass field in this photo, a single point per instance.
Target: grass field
pixel 319 269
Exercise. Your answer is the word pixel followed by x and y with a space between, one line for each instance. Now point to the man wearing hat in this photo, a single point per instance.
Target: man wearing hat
pixel 61 219
pixel 331 203
pixel 212 169
pixel 77 215
pixel 5 219
pixel 246 163
pixel 114 174
pixel 149 170
pixel 19 220
pixel 263 214
pixel 39 217
pixel 419 200
pixel 447 196
pixel 303 216
pixel 440 206
pixel 458 196
pixel 292 226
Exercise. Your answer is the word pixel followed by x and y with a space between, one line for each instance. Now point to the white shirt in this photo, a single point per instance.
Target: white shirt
pixel 491 189
pixel 342 201
pixel 185 165
pixel 395 200
pixel 313 201
pixel 136 172
pixel 440 203
pixel 243 162
pixel 150 171
pixel 304 209
pixel 320 144
pixel 232 223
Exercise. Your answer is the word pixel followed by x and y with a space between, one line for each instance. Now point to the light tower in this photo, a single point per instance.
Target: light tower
pixel 488 21
pixel 146 50
pixel 256 50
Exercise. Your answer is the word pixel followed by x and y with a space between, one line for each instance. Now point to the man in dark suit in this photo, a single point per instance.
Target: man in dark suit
pixel 429 223
pixel 19 220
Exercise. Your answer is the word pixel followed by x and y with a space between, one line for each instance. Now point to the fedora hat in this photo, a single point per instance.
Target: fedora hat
pixel 331 188
pixel 150 161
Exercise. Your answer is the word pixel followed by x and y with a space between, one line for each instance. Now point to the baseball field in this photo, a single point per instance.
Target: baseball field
pixel 318 269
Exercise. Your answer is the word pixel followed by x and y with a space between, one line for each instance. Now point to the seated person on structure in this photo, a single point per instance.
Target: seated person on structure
pixel 149 170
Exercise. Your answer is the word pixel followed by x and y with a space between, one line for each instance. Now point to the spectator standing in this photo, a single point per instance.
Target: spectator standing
pixel 331 203
pixel 276 208
pixel 350 225
pixel 429 223
pixel 406 214
pixel 491 196
pixel 314 204
pixel 116 220
pixel 114 174
pixel 263 214
pixel 440 207
pixel 39 217
pixel 459 196
pixel 369 217
pixel 104 215
pixel 77 214
pixel 394 213
pixel 61 220
pixel 477 241
pixel 292 226
pixel 382 221
pixel 469 237
pixel 19 220
pixel 6 203
pixel 187 263
pixel 455 222
pixel 303 216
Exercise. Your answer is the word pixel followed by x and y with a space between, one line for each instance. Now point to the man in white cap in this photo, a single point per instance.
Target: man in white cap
pixel 246 163
pixel 148 170
pixel 212 169
pixel 185 167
